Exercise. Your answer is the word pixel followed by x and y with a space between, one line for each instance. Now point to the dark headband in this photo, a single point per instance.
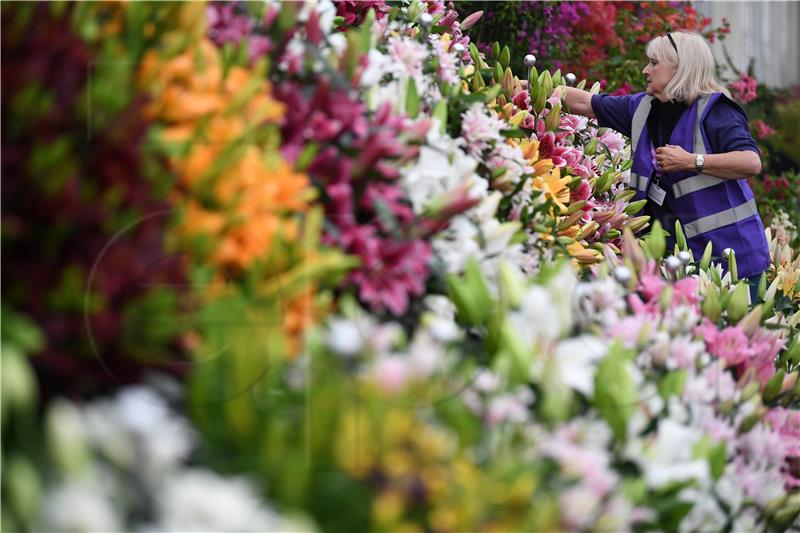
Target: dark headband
pixel 675 46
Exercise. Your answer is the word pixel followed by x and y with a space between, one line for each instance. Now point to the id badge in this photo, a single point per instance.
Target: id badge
pixel 656 193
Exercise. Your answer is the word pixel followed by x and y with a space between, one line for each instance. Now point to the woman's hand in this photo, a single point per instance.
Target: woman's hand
pixel 729 165
pixel 673 158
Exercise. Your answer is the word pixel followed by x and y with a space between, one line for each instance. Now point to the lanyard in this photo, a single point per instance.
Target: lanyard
pixel 656 166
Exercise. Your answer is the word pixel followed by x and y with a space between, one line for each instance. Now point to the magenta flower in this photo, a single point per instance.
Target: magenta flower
pixel 763 130
pixel 786 422
pixel 353 12
pixel 392 271
pixel 764 347
pixel 522 100
pixel 685 292
pixel 225 25
pixel 651 284
pixel 368 214
pixel 744 89
pixel 628 330
pixel 730 344
pixel 627 88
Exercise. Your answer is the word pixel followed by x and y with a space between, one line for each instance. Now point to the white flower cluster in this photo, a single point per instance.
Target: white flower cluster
pixel 125 458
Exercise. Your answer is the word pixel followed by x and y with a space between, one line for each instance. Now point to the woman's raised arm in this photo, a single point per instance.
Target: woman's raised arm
pixel 579 102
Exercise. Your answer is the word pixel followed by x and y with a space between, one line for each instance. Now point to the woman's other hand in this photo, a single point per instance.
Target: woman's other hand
pixel 673 158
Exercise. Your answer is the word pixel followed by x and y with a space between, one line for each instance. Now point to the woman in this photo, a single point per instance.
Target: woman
pixel 692 151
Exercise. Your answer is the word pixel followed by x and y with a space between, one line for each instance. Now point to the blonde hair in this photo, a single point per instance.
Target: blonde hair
pixel 696 75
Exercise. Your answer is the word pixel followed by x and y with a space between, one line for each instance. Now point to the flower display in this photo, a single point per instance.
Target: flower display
pixel 407 291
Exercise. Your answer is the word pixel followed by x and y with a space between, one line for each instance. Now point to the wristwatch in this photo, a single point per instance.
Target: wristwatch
pixel 699 161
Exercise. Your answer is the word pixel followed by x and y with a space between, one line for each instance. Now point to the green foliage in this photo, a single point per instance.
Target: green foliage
pixel 615 392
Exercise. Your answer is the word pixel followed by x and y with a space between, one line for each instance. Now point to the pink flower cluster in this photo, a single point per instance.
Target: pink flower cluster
pixel 753 355
pixel 367 212
pixel 744 89
pixel 228 25
pixel 353 12
pixel 786 422
pixel 763 130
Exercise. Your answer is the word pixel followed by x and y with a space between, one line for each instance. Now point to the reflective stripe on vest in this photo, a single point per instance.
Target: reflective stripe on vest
pixel 698 182
pixel 721 219
pixel 639 121
pixel 638 182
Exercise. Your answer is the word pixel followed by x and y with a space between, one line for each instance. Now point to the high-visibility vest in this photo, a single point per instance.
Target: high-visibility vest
pixel 709 208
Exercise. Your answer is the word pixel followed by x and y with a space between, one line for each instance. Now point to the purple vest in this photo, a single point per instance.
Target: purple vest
pixel 722 211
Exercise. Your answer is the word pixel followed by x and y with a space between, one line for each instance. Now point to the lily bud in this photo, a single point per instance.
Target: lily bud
pixel 774 505
pixel 711 305
pixel 666 297
pixel 732 266
pixel 546 80
pixel 750 390
pixel 637 224
pixel 773 387
pixel 751 321
pixel 591 147
pixel 680 237
pixel 517 119
pixel 737 307
pixel 624 195
pixel 511 285
pixel 471 20
pixel 553 118
pixel 66 437
pixel 587 230
pixel 792 354
pixel 634 207
pixel 508 82
pixel 789 510
pixel 706 259
pixel 790 381
pixel 749 422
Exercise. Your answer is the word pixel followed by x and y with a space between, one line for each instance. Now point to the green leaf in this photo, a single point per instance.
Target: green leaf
pixel 655 242
pixel 505 57
pixel 615 393
pixel 717 459
pixel 773 387
pixel 634 207
pixel 712 308
pixel 738 305
pixel 672 384
pixel 470 295
pixel 706 259
pixel 497 72
pixel 306 156
pixel 412 99
pixel 680 237
pixel 733 268
pixel 21 332
pixel 475 55
pixel 517 133
pixel 440 113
